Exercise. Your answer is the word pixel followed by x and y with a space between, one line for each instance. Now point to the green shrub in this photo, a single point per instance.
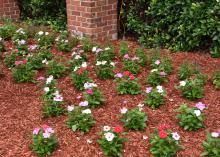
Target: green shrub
pixel 56 69
pixel 143 58
pixel 10 59
pixel 134 119
pixel 22 72
pixel 177 25
pixel 107 54
pixel 7 31
pixel 186 70
pixel 124 48
pixel 44 141
pixel 211 145
pixel 80 119
pixel 190 118
pixel 105 70
pixel 156 77
pixel 216 79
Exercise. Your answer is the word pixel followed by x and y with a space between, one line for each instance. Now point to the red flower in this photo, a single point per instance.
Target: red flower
pixel 118 129
pixel 163 134
pixel 163 126
pixel 89 91
pixel 24 61
pixel 80 71
pixel 126 73
pixel 131 77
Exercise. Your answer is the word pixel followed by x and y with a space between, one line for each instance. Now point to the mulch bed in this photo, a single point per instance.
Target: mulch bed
pixel 20 113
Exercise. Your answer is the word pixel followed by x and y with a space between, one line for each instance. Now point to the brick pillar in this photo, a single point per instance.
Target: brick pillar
pixel 93 18
pixel 9 9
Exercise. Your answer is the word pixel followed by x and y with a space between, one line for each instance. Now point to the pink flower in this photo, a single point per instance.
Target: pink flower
pixel 131 77
pixel 148 89
pixel 18 62
pixel 200 106
pixel 36 131
pixel 84 103
pixel 58 98
pixel 89 91
pixel 162 73
pixel 78 46
pixel 119 75
pixel 218 130
pixel 163 134
pixel 157 62
pixel 126 56
pixel 40 78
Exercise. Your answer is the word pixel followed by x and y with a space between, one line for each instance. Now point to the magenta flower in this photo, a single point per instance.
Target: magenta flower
pixel 148 89
pixel 40 78
pixel 89 91
pixel 36 131
pixel 200 106
pixel 157 62
pixel 119 75
pixel 126 56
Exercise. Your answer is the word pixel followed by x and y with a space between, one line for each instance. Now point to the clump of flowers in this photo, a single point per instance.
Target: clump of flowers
pixel 127 83
pixel 155 97
pixel 111 141
pixel 80 76
pixel 44 39
pixel 156 77
pixel 7 31
pixel 80 118
pixel 93 95
pixel 191 118
pixel 216 79
pixel 65 44
pixel 44 141
pixel 78 57
pixel 164 64
pixel 131 64
pixel 164 142
pixel 10 59
pixel 124 48
pixel 105 70
pixel 52 99
pixel 23 72
pixel 186 70
pixel 20 34
pixel 192 89
pixel 2 46
pixel 143 58
pixel 134 119
pixel 55 68
pixel 106 54
pixel 211 144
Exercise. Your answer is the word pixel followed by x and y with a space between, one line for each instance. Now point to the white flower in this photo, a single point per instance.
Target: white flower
pixel 175 136
pixel 112 63
pixel 58 98
pixel 46 135
pixel 45 61
pixel 182 83
pixel 66 41
pixel 49 79
pixel 98 63
pixel 57 39
pixel 154 70
pixel 124 110
pixel 49 130
pixel 159 89
pixel 76 68
pixel 140 105
pixel 109 136
pixel 106 128
pixel 73 53
pixel 197 113
pixel 78 57
pixel 84 65
pixel 94 49
pixel 46 89
pixel 107 48
pixel 0 39
pixel 145 137
pixel 214 134
pixel 104 62
pixel 46 33
pixel 88 85
pixel 217 0
pixel 21 42
pixel 87 111
pixel 56 93
pixel 89 141
pixel 40 33
pixel 70 108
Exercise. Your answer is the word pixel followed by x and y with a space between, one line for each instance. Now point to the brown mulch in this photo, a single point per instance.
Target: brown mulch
pixel 20 113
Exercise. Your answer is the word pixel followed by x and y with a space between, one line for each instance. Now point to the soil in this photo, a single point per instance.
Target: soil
pixel 20 113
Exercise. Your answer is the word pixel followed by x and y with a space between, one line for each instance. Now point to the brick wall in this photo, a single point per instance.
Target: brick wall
pixel 9 9
pixel 93 18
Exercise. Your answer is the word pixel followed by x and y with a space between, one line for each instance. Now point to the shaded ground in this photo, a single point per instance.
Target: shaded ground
pixel 20 112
